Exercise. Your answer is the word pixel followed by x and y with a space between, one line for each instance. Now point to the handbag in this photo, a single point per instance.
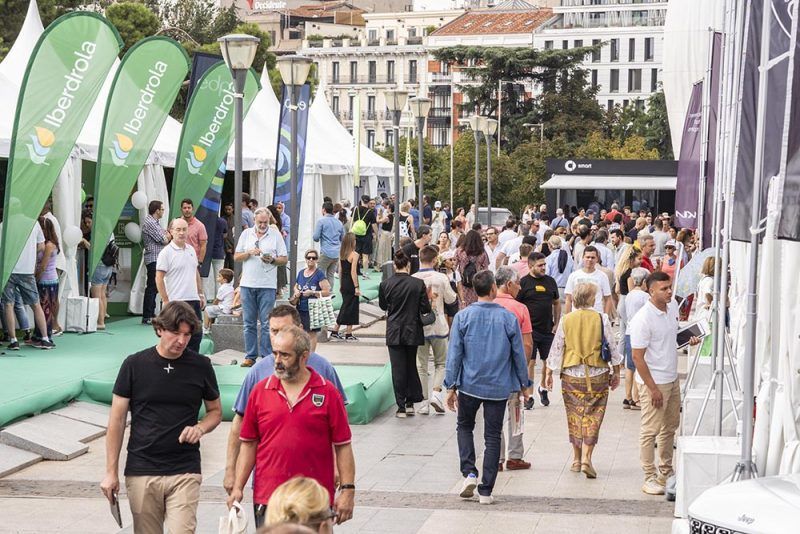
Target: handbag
pixel 428 318
pixel 320 312
pixel 605 350
pixel 235 522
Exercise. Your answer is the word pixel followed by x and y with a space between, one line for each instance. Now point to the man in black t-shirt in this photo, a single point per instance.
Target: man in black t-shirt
pixel 539 293
pixel 364 243
pixel 412 249
pixel 163 387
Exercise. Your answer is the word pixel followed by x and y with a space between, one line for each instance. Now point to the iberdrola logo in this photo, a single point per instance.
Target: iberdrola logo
pixel 122 149
pixel 196 159
pixel 40 145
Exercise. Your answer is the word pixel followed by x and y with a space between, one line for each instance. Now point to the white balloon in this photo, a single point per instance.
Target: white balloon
pixel 139 200
pixel 72 236
pixel 133 232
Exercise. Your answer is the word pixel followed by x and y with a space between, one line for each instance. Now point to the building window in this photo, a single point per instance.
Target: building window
pixel 648 48
pixel 351 105
pixel 390 71
pixel 335 104
pixel 389 137
pixel 634 80
pixel 444 68
pixel 653 80
pixel 564 44
pixel 614 49
pixel 614 88
pixel 372 71
pixel 596 52
pixel 412 71
pixel 412 32
pixel 370 139
pixel 578 43
pixel 610 105
pixel 390 35
pixel 639 104
pixel 631 49
pixel 272 40
pixel 371 103
pixel 548 45
pixel 594 77
pixel 372 35
pixel 625 103
pixel 335 69
pixel 354 72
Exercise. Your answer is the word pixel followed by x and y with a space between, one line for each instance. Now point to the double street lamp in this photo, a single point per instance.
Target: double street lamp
pixel 488 128
pixel 238 51
pixel 395 103
pixel 420 107
pixel 475 124
pixel 294 73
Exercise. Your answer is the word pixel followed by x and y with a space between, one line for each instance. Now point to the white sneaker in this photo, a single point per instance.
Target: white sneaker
pixel 206 331
pixel 485 499
pixel 652 487
pixel 437 403
pixel 424 408
pixel 468 488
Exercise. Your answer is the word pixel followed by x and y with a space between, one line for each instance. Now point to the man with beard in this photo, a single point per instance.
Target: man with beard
pixel 293 420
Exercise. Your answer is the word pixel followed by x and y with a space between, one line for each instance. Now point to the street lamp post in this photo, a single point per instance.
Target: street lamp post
pixel 238 50
pixel 294 73
pixel 488 129
pixel 539 125
pixel 419 108
pixel 395 102
pixel 475 122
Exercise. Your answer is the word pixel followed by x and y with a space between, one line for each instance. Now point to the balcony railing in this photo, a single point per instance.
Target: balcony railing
pixel 412 78
pixel 364 80
pixel 439 77
pixel 414 40
pixel 440 112
pixel 369 115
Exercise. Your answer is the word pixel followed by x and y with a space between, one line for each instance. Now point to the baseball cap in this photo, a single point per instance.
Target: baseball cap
pixel 437 204
pixel 671 243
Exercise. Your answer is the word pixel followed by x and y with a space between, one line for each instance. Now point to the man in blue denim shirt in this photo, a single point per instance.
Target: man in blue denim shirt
pixel 485 364
pixel 329 232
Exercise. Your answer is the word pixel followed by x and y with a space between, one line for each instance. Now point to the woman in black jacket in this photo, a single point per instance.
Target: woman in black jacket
pixel 404 298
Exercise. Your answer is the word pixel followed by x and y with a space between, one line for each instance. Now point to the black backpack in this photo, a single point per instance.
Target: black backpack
pixel 470 270
pixel 110 254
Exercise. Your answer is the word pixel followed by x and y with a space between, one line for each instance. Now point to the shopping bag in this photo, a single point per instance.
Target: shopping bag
pixel 321 313
pixel 235 522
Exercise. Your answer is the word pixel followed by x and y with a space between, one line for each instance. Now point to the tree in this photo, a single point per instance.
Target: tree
pixel 12 13
pixel 651 124
pixel 567 105
pixel 133 21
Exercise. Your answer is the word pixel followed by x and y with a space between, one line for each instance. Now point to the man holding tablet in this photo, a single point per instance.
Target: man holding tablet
pixel 654 332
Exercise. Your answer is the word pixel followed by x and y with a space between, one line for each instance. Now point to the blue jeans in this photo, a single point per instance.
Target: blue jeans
pixel 493 411
pixel 257 303
pixel 19 311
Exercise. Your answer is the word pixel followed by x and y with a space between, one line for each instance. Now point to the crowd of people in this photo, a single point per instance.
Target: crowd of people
pixel 470 310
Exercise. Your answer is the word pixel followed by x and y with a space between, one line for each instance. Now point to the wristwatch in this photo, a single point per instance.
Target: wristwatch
pixel 347 486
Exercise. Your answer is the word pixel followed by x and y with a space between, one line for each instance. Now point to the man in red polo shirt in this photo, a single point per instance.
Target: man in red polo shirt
pixel 648 246
pixel 507 281
pixel 292 421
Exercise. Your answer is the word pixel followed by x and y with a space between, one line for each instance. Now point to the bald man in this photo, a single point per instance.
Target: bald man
pixel 177 275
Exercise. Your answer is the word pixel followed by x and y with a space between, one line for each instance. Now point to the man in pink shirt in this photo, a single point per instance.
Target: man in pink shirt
pixel 507 281
pixel 197 236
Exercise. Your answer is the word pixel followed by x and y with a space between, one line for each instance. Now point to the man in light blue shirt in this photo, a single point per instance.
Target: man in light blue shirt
pixel 281 317
pixel 329 233
pixel 559 264
pixel 480 373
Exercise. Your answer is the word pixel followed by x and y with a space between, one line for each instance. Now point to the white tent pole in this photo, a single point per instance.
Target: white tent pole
pixel 745 468
pixel 706 120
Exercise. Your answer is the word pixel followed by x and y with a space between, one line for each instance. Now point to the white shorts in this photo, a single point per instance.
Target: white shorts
pixel 214 311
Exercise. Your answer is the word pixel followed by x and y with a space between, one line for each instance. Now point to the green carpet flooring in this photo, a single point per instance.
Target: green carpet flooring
pixel 85 366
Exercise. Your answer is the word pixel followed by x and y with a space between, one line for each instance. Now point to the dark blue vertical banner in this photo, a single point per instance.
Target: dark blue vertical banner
pixel 687 191
pixel 208 214
pixel 284 154
pixel 201 62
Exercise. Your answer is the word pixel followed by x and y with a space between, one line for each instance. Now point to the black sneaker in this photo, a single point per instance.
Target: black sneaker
pixel 44 344
pixel 336 336
pixel 14 345
pixel 350 337
pixel 529 403
pixel 543 397
pixel 147 322
pixel 409 409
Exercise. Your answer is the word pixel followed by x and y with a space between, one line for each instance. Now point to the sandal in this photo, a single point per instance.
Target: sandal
pixel 634 405
pixel 576 467
pixel 588 470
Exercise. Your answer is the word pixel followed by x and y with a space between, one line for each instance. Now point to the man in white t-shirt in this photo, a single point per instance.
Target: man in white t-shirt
pixel 653 333
pixel 23 281
pixel 261 250
pixel 508 232
pixel 492 247
pixel 591 274
pixel 178 277
pixel 511 247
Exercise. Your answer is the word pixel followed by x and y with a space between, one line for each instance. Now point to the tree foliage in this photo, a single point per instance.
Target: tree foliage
pixel 134 21
pixel 12 15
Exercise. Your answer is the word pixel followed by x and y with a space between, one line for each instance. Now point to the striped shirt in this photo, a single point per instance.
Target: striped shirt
pixel 152 238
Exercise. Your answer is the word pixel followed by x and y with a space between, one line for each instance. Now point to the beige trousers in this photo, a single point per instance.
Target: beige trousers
pixel 159 501
pixel 437 346
pixel 658 427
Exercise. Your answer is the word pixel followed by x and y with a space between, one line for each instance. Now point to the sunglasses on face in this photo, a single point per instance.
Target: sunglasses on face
pixel 312 258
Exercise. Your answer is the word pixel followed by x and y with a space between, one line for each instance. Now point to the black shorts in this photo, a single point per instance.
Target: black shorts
pixel 305 320
pixel 541 344
pixel 364 244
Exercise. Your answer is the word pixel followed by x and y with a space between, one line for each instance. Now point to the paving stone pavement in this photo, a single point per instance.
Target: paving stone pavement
pixel 407 478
